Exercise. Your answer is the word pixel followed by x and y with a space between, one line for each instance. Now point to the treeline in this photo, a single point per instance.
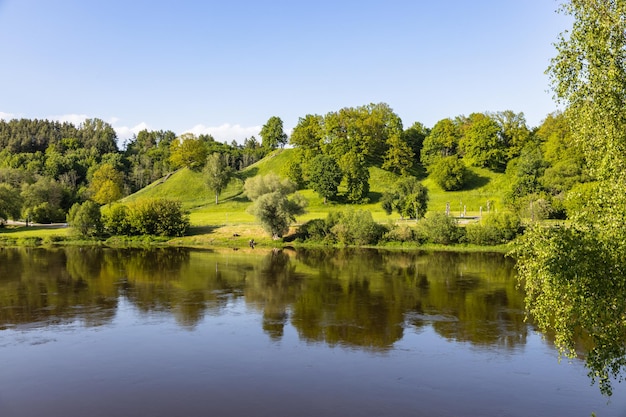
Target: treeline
pixel 47 166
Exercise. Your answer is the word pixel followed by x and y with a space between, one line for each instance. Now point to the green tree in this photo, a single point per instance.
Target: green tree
pixel 272 134
pixel 514 132
pixel 442 141
pixel 356 175
pixel 86 218
pixel 308 133
pixel 10 203
pixel 409 198
pixel 106 184
pixel 324 176
pixel 272 205
pixel 481 143
pixel 399 156
pixel 575 277
pixel 217 173
pixel 450 173
pixel 188 151
pixel 414 136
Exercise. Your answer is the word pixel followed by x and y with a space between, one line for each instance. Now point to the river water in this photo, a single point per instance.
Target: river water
pixel 178 332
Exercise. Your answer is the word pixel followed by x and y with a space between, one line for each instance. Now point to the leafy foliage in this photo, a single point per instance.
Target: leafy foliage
pixel 106 184
pixel 324 176
pixel 494 229
pixel 217 173
pixel 575 277
pixel 271 203
pixel 409 198
pixel 439 228
pixel 157 217
pixel 272 133
pixel 86 218
pixel 188 151
pixel 449 173
pixel 10 203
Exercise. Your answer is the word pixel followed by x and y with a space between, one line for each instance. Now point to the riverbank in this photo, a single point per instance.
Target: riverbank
pixel 232 236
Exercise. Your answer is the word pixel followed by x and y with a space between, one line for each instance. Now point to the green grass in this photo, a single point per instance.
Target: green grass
pixel 188 187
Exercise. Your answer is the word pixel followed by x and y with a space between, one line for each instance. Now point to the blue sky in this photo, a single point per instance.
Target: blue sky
pixel 226 67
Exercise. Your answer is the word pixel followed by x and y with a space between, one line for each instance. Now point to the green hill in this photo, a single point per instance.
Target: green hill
pixel 188 187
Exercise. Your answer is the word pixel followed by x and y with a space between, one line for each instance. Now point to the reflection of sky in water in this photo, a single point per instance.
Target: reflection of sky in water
pixel 147 364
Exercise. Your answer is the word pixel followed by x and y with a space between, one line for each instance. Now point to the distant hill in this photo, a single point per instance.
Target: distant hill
pixel 188 187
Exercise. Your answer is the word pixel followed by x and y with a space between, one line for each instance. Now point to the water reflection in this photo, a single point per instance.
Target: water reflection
pixel 355 298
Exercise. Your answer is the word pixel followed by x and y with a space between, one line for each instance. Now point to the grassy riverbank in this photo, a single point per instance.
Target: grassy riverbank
pixel 228 224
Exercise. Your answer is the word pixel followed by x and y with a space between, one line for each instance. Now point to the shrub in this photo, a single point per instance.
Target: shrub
pixel 357 228
pixel 85 218
pixel 449 172
pixel 494 229
pixel 157 217
pixel 401 233
pixel 160 217
pixel 439 228
pixel 116 220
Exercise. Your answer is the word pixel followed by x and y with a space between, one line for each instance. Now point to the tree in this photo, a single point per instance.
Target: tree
pixel 442 141
pixel 217 173
pixel 324 176
pixel 575 277
pixel 414 136
pixel 399 156
pixel 449 173
pixel 272 133
pixel 86 218
pixel 308 133
pixel 481 145
pixel 356 175
pixel 10 203
pixel 106 184
pixel 272 205
pixel 409 198
pixel 188 151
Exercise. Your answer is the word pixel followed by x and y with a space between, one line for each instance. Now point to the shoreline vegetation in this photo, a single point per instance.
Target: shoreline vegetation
pixel 227 237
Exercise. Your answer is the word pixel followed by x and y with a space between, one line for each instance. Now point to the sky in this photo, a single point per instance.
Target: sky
pixel 225 67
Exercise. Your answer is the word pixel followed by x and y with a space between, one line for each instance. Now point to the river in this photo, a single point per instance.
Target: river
pixel 180 332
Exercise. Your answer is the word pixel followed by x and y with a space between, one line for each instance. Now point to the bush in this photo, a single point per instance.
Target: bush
pixel 116 220
pixel 317 230
pixel 401 233
pixel 85 218
pixel 449 172
pixel 439 228
pixel 494 229
pixel 157 217
pixel 357 228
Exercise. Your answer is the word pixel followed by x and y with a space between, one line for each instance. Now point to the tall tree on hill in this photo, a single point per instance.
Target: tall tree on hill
pixel 217 173
pixel 272 133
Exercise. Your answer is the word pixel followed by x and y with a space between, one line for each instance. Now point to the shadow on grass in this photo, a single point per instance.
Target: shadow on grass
pixel 200 230
pixel 475 181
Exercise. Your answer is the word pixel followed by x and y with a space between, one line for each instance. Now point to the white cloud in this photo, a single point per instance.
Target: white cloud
pixel 125 132
pixel 75 119
pixel 226 132
pixel 6 116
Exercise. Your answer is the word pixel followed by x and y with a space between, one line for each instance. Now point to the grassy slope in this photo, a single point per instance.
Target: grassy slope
pixel 188 187
pixel 228 223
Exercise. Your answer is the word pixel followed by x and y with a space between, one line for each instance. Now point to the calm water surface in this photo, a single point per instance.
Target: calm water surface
pixel 175 332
